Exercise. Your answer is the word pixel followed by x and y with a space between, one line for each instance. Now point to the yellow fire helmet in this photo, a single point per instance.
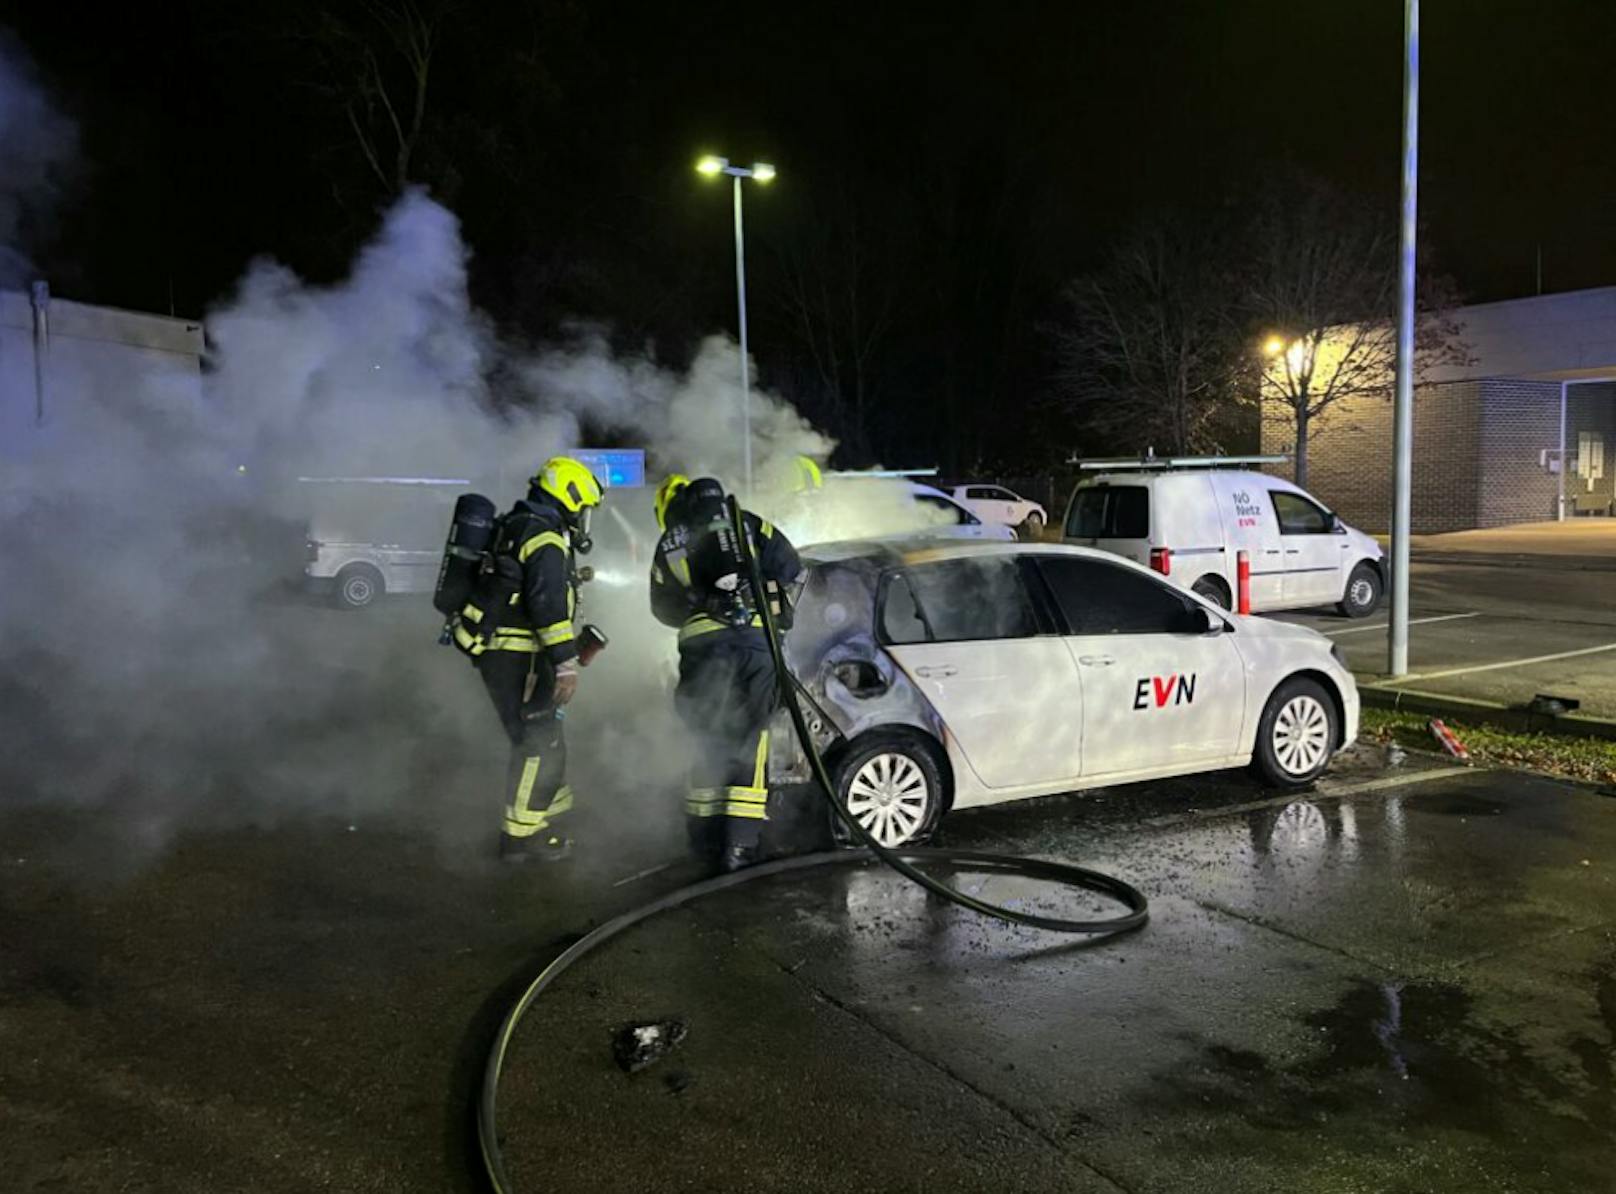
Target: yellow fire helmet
pixel 666 492
pixel 570 482
pixel 809 478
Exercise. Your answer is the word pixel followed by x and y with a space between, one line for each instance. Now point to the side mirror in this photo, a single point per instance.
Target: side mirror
pixel 1332 524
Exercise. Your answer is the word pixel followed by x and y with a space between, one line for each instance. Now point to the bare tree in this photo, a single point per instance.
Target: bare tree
pixel 1148 354
pixel 1320 284
pixel 837 294
pixel 376 62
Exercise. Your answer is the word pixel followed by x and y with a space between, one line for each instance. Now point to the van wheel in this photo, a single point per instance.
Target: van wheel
pixel 1296 735
pixel 1364 588
pixel 893 786
pixel 358 585
pixel 1214 590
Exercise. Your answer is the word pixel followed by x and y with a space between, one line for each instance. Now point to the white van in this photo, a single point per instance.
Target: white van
pixel 1188 520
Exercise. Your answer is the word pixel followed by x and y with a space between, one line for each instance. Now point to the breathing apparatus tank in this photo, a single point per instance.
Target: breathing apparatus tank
pixel 471 536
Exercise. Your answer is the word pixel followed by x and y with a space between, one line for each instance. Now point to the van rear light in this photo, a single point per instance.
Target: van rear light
pixel 1161 560
pixel 311 550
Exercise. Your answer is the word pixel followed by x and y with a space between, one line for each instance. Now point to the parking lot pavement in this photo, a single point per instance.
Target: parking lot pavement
pixel 1405 980
pixel 1493 634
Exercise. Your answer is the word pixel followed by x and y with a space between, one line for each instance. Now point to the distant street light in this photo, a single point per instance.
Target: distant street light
pixel 1273 346
pixel 762 172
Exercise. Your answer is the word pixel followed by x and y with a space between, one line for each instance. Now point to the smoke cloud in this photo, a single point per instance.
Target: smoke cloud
pixel 155 655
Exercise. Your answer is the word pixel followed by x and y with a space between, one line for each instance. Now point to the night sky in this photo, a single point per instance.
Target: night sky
pixel 984 153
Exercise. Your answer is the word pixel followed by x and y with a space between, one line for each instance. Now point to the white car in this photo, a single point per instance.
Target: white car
pixel 995 503
pixel 947 675
pixel 1190 524
pixel 949 518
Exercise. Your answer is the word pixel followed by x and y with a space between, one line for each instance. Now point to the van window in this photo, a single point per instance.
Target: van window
pixel 1101 598
pixel 1110 512
pixel 956 601
pixel 1297 515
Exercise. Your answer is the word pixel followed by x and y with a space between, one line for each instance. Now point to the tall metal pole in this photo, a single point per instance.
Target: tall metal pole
pixel 1403 415
pixel 746 361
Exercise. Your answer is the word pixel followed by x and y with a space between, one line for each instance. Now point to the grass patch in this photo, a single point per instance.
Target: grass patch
pixel 1591 759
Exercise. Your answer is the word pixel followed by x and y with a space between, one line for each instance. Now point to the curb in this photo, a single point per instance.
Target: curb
pixel 1441 705
pixel 1542 563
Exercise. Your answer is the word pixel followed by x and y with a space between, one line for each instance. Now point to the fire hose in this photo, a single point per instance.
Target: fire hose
pixel 902 860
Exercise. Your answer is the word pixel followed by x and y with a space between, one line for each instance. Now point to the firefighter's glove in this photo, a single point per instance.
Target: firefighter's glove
pixel 566 684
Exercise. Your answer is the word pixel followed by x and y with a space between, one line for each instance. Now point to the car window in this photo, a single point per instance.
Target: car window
pixel 1101 598
pixel 977 492
pixel 958 514
pixel 1297 515
pixel 956 601
pixel 1003 495
pixel 1110 512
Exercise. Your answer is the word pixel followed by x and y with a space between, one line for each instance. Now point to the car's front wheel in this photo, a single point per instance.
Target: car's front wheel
pixel 1033 524
pixel 893 786
pixel 1296 734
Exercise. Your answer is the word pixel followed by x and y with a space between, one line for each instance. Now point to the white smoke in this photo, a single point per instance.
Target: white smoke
pixel 38 155
pixel 149 646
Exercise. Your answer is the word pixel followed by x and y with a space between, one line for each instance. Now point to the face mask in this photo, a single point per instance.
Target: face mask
pixel 581 542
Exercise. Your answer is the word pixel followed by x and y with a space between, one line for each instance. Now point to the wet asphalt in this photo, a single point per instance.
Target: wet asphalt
pixel 1404 980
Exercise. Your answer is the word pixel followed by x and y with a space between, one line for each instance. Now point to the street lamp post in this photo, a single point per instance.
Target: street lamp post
pixel 712 167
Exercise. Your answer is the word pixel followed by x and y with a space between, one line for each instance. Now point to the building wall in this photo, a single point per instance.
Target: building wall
pixel 1520 420
pixel 1350 457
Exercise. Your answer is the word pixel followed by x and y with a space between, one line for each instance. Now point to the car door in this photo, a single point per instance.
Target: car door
pixel 1313 551
pixel 1155 694
pixel 1250 526
pixel 967 634
pixel 951 520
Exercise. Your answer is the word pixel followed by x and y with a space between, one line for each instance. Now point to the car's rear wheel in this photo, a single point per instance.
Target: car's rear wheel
pixel 358 585
pixel 1215 591
pixel 1296 735
pixel 1362 596
pixel 893 786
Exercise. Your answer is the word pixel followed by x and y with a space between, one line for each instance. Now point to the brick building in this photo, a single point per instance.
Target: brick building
pixel 1487 435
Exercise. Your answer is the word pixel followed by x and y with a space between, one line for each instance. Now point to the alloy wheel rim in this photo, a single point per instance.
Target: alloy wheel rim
pixel 1362 591
pixel 1301 735
pixel 358 590
pixel 889 797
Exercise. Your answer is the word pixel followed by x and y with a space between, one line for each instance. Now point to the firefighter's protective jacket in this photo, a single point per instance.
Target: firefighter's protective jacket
pixel 528 602
pixel 678 599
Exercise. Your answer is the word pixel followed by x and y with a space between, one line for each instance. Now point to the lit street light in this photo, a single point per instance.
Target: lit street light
pixel 712 167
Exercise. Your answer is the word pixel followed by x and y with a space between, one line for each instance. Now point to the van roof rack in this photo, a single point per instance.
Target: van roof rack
pixel 1129 464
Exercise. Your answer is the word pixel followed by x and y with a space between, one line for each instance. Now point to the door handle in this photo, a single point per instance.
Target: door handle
pixel 935 671
pixel 1096 660
pixel 1293 551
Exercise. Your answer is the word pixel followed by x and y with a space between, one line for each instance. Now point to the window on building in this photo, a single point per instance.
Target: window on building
pixel 1590 455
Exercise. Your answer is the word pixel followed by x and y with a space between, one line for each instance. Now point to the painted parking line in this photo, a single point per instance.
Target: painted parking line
pixel 1493 667
pixel 1411 622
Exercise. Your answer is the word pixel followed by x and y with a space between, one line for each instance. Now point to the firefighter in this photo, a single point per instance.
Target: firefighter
pixel 728 690
pixel 518 629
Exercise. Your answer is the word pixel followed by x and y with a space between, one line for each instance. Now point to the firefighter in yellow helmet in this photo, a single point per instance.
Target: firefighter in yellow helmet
pixel 809 478
pixel 666 495
pixel 727 690
pixel 517 627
